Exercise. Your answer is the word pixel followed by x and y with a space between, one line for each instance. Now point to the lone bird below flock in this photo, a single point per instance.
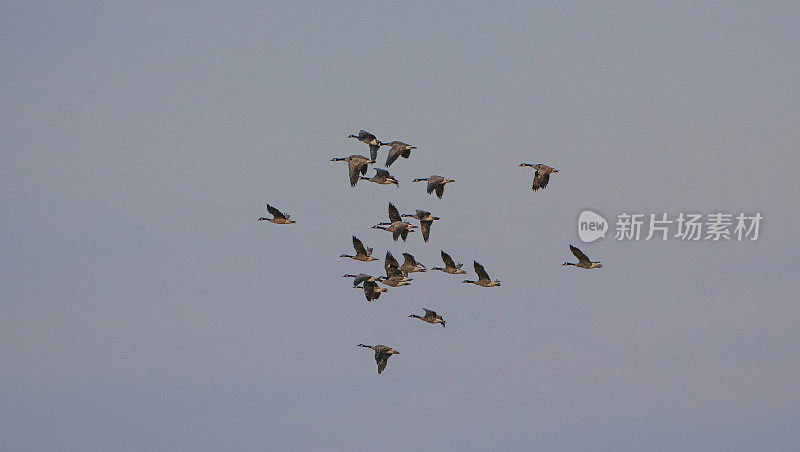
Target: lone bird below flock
pixel 583 260
pixel 382 354
pixel 356 164
pixel 483 277
pixel 450 266
pixel 277 216
pixel 363 254
pixel 430 317
pixel 397 149
pixel 382 177
pixel 542 175
pixel 436 183
pixel 374 143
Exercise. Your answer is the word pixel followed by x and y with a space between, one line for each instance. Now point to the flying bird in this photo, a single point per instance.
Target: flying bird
pixel 435 183
pixel 356 164
pixel 382 177
pixel 483 277
pixel 382 354
pixel 542 175
pixel 583 260
pixel 450 266
pixel 425 221
pixel 363 254
pixel 277 216
pixel 374 143
pixel 430 317
pixel 398 149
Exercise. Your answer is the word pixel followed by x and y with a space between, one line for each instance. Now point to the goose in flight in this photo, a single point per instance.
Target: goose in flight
pixel 363 254
pixel 369 139
pixel 435 183
pixel 356 164
pixel 583 260
pixel 277 216
pixel 425 221
pixel 450 266
pixel 430 317
pixel 382 354
pixel 382 177
pixel 542 175
pixel 483 277
pixel 398 149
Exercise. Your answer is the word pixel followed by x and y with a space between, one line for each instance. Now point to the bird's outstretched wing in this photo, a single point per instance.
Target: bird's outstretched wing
pixel 359 246
pixel 275 212
pixel 540 180
pixel 448 261
pixel 394 214
pixel 579 254
pixel 480 271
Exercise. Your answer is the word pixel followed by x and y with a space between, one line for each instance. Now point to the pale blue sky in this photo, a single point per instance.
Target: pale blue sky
pixel 143 307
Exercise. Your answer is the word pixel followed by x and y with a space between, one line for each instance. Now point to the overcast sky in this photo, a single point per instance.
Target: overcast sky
pixel 143 307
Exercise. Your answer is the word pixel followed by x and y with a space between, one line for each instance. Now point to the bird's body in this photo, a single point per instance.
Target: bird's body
pixel 483 277
pixel 356 164
pixel 542 175
pixel 450 266
pixel 425 221
pixel 435 183
pixel 430 317
pixel 372 291
pixel 373 143
pixel 583 260
pixel 277 216
pixel 382 354
pixel 382 177
pixel 363 254
pixel 398 149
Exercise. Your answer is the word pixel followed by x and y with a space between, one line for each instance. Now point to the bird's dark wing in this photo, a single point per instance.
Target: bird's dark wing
pixel 393 272
pixel 579 254
pixel 390 261
pixel 369 290
pixel 392 156
pixel 426 229
pixel 480 271
pixel 359 246
pixel 540 180
pixel 397 232
pixel 381 359
pixel 394 215
pixel 448 261
pixel 432 181
pixel 356 166
pixel 381 173
pixel 373 152
pixel 275 212
pixel 429 313
pixel 440 190
pixel 363 135
pixel 406 153
pixel 409 259
pixel 359 279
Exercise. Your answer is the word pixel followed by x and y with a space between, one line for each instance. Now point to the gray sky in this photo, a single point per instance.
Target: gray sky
pixel 142 306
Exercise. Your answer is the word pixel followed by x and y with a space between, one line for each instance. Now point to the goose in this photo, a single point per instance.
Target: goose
pixel 277 216
pixel 583 260
pixel 450 266
pixel 372 291
pixel 382 177
pixel 435 183
pixel 382 354
pixel 425 221
pixel 397 226
pixel 356 163
pixel 542 175
pixel 360 278
pixel 374 143
pixel 410 265
pixel 395 278
pixel 430 317
pixel 483 277
pixel 391 263
pixel 362 254
pixel 397 149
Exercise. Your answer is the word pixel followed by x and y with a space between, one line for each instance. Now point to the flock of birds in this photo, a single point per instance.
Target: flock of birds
pixel 396 274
